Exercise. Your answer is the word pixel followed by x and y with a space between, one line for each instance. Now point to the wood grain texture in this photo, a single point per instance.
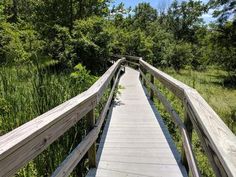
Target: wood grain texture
pixel 219 137
pixel 76 155
pixel 27 141
pixel 169 82
pixel 92 150
pixel 189 127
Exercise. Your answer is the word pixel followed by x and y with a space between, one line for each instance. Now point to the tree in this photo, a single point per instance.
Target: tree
pixel 223 10
pixel 177 55
pixel 64 13
pixel 91 43
pixel 224 33
pixel 118 14
pixel 144 14
pixel 2 16
pixel 184 19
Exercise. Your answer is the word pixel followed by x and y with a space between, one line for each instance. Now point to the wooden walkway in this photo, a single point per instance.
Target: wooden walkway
pixel 135 142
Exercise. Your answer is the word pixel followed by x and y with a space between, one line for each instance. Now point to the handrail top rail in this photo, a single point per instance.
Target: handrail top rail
pixel 127 57
pixel 176 86
pixel 19 136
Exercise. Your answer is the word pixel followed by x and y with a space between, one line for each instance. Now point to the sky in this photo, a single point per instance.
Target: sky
pixel 158 4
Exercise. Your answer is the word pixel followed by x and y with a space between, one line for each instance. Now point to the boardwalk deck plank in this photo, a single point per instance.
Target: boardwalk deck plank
pixel 135 141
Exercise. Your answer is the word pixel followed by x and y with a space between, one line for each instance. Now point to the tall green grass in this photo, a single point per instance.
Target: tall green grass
pixel 212 86
pixel 30 90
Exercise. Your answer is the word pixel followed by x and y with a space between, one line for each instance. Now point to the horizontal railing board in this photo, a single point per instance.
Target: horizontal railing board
pixel 103 81
pixel 128 57
pixel 133 63
pixel 38 135
pixel 220 137
pixel 172 84
pixel 14 139
pixel 27 141
pixel 176 119
pixel 165 102
pixel 77 154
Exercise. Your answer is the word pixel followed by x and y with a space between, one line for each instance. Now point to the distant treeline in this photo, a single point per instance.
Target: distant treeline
pixel 88 32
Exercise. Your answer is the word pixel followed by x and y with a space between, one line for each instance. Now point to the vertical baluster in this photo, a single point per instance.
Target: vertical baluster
pixel 144 81
pixel 151 91
pixel 189 127
pixel 140 75
pixel 92 150
pixel 111 82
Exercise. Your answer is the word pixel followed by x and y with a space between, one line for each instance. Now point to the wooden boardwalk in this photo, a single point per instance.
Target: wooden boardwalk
pixel 135 142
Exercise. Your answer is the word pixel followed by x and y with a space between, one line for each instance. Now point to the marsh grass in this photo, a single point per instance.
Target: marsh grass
pixel 211 85
pixel 30 90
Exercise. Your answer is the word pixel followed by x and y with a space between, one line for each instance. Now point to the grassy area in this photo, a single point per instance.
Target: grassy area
pixel 211 85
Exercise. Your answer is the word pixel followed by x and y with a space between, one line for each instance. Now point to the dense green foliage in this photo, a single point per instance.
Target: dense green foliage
pixel 52 50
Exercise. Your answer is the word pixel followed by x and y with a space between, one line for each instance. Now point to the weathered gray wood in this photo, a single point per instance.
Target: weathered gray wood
pixel 133 63
pixel 217 139
pixel 101 119
pixel 27 141
pixel 151 90
pixel 169 82
pixel 220 142
pixel 189 127
pixel 78 153
pixel 187 147
pixel 128 57
pixel 165 102
pixel 130 129
pixel 92 149
pixel 100 86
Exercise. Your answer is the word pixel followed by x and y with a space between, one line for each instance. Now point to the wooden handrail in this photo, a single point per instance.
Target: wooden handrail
pixel 169 82
pixel 128 57
pixel 183 131
pixel 76 155
pixel 27 141
pixel 216 138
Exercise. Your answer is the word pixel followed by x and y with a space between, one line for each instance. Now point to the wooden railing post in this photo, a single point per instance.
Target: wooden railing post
pixel 92 149
pixel 112 82
pixel 144 81
pixel 140 75
pixel 151 90
pixel 189 127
